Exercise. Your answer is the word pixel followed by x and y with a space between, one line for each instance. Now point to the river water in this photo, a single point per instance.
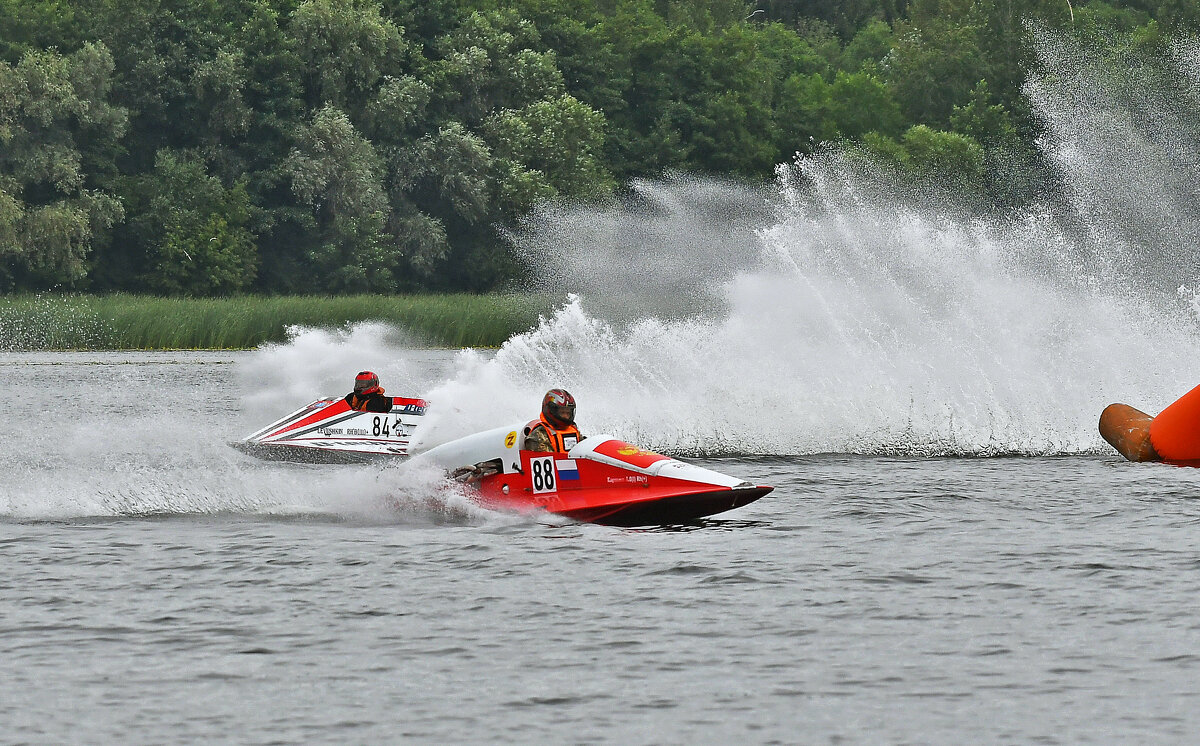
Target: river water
pixel 160 587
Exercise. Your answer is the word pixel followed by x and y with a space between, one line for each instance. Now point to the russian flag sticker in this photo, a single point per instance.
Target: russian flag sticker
pixel 567 470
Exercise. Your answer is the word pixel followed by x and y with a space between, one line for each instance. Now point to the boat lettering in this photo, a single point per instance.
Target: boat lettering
pixel 330 431
pixel 634 479
pixel 356 431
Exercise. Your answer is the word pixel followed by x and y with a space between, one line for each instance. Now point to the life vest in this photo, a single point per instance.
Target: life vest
pixel 358 402
pixel 560 440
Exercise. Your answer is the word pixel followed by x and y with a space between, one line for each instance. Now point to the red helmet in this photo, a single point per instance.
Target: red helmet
pixel 558 407
pixel 366 383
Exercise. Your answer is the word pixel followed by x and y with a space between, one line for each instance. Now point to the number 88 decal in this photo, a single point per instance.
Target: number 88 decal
pixel 541 471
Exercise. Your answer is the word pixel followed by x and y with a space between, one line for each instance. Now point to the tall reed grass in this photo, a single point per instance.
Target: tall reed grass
pixel 61 322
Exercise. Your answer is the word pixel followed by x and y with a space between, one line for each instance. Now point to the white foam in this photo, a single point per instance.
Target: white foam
pixel 875 318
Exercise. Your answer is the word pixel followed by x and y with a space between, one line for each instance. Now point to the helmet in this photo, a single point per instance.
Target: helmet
pixel 366 383
pixel 558 407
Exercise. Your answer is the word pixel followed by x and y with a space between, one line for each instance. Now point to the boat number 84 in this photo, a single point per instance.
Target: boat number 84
pixel 381 427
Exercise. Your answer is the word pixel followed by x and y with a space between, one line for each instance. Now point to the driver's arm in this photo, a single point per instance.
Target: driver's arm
pixel 538 440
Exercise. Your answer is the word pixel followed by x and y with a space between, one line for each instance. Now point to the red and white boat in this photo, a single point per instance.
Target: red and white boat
pixel 329 431
pixel 601 480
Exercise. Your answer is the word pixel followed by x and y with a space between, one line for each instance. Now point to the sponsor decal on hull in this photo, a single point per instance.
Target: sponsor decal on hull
pixel 632 479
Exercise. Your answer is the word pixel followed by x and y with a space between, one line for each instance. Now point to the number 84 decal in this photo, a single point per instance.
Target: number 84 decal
pixel 381 427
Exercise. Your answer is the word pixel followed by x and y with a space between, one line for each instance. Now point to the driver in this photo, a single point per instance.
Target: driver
pixel 367 395
pixel 555 430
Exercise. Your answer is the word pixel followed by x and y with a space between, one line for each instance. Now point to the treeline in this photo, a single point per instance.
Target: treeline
pixel 211 147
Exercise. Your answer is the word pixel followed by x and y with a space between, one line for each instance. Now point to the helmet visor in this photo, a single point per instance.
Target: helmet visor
pixel 365 384
pixel 563 412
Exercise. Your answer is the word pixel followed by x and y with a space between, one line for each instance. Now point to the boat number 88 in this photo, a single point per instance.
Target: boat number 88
pixel 542 471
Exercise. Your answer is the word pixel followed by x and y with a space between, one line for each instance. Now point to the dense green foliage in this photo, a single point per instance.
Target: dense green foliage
pixel 127 322
pixel 346 146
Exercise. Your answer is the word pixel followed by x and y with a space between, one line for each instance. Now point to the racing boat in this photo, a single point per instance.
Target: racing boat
pixel 600 480
pixel 329 431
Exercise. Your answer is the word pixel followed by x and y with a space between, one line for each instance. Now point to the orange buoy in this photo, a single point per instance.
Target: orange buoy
pixel 1128 430
pixel 1175 432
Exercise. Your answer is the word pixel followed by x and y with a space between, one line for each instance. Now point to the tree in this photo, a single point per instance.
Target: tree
pixel 947 158
pixel 346 48
pixel 846 16
pixel 725 111
pixel 445 172
pixel 189 232
pixel 442 179
pixel 854 105
pixel 946 155
pixel 860 103
pixel 490 63
pixel 36 25
pixel 560 139
pixel 868 48
pixel 377 144
pixel 49 213
pixel 398 109
pixel 936 59
pixel 338 175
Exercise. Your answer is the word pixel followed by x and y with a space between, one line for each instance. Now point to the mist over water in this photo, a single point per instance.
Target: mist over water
pixel 665 250
pixel 845 312
pixel 1126 136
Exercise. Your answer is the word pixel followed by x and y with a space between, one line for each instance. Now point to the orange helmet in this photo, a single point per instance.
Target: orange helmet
pixel 558 407
pixel 366 383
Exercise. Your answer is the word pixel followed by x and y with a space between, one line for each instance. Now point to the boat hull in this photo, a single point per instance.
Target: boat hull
pixel 671 509
pixel 302 454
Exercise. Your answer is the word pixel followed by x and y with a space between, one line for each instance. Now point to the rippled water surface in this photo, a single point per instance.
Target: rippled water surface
pixel 159 587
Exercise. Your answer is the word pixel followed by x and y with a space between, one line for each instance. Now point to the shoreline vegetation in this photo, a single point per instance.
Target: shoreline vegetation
pixel 47 322
pixel 338 147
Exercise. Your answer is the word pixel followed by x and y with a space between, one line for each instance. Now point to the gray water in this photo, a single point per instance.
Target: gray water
pixel 159 587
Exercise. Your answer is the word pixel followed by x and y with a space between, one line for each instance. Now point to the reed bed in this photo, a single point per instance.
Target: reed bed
pixel 133 322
